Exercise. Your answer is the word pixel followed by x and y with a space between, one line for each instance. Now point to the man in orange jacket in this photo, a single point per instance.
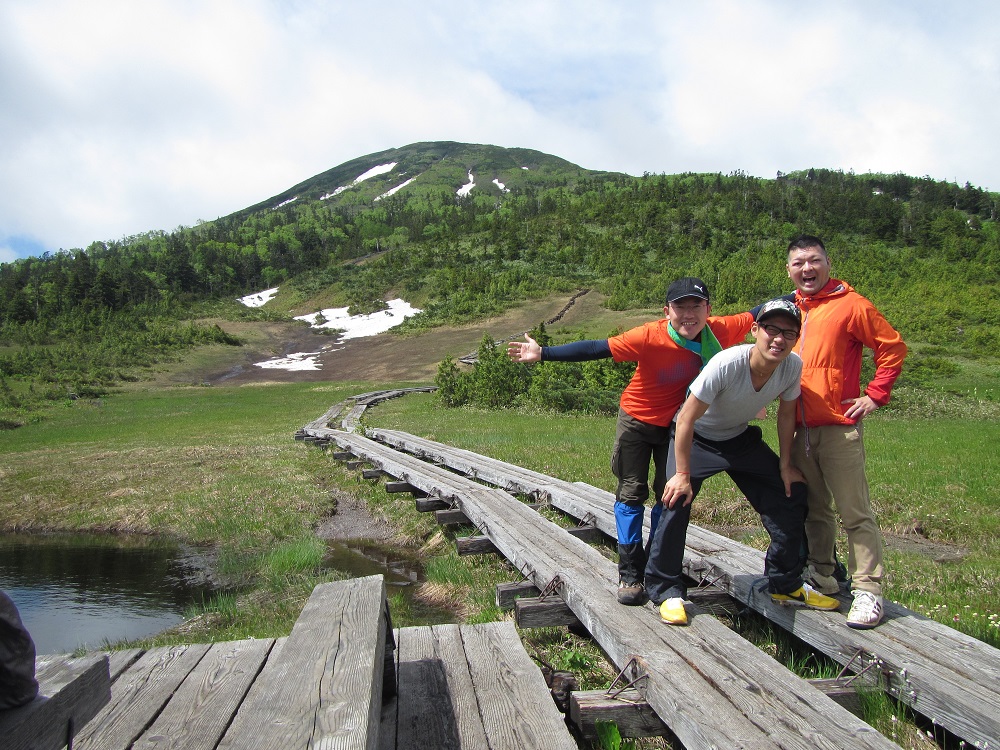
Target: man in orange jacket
pixel 837 324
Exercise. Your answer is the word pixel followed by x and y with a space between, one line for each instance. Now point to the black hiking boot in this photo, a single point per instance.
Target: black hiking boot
pixel 631 566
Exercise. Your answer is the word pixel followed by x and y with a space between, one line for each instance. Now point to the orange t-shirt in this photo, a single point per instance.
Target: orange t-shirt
pixel 665 370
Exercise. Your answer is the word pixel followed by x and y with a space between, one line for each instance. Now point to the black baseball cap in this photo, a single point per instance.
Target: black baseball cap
pixel 688 286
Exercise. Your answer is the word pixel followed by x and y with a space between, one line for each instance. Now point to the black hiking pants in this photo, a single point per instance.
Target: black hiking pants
pixel 753 466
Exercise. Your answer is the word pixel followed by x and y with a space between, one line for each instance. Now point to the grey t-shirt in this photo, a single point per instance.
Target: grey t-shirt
pixel 725 384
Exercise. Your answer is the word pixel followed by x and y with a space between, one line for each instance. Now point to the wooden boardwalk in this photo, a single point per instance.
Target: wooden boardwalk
pixel 711 687
pixel 339 680
pixel 949 677
pixel 344 678
pixel 320 686
pixel 469 686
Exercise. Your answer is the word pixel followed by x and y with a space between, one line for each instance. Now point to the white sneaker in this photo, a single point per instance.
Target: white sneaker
pixel 866 612
pixel 823 584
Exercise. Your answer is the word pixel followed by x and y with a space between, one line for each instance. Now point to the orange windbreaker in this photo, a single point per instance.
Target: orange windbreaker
pixel 837 324
pixel 659 385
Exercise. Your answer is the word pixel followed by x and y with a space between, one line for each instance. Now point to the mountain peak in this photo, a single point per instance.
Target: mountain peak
pixel 430 166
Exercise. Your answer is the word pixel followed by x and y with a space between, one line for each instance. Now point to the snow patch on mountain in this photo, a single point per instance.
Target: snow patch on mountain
pixel 373 172
pixel 467 187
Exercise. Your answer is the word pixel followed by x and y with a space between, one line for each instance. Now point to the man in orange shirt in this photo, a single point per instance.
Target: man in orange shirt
pixel 837 325
pixel 670 353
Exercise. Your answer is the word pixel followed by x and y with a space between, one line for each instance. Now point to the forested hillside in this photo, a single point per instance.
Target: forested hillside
pixel 464 231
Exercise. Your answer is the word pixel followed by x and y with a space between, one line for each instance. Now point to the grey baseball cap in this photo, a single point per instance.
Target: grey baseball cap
pixel 780 306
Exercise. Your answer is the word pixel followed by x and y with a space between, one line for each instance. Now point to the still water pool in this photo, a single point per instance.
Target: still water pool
pixel 85 591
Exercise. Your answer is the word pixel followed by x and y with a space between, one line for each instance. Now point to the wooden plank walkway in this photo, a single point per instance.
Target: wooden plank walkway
pixel 470 686
pixel 70 693
pixel 709 685
pixel 320 686
pixel 951 678
pixel 324 685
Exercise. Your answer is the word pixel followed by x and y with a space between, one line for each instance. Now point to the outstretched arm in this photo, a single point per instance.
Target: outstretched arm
pixel 525 351
pixel 576 351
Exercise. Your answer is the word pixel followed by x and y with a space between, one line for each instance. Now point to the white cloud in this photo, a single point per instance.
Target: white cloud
pixel 121 117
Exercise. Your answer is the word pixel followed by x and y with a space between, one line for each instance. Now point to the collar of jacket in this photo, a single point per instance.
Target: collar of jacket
pixel 833 288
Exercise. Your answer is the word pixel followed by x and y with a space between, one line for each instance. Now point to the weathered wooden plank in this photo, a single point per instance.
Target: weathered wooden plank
pixel 324 421
pixel 353 417
pixel 326 689
pixel 451 517
pixel 704 669
pixel 434 706
pixel 508 593
pixel 937 670
pixel 138 696
pixel 119 661
pixel 514 701
pixel 475 545
pixel 626 708
pixel 427 504
pixel 70 693
pixel 551 612
pixel 589 534
pixel 634 717
pixel 372 474
pixel 204 704
pixel 840 690
pixel 395 487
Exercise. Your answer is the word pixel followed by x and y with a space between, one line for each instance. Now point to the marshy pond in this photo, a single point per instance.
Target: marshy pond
pixel 86 591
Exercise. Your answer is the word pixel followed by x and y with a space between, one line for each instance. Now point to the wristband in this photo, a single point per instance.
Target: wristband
pixel 683 472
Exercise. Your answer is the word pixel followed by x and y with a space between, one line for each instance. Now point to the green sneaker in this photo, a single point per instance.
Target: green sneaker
pixel 806 596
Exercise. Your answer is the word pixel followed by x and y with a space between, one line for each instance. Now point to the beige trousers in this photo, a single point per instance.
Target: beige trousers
pixel 834 468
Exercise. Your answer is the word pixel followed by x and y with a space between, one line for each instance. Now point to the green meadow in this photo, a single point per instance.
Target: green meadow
pixel 218 467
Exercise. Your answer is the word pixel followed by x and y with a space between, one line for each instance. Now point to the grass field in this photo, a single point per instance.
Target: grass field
pixel 217 467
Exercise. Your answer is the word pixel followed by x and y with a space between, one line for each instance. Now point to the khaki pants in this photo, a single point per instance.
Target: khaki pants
pixel 835 472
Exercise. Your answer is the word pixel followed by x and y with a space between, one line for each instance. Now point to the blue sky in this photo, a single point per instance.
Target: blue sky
pixel 121 117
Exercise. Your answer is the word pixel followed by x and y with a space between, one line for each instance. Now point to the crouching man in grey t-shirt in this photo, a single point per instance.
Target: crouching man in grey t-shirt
pixel 712 435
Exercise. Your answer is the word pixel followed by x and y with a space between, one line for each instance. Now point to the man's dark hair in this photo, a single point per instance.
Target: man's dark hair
pixel 806 241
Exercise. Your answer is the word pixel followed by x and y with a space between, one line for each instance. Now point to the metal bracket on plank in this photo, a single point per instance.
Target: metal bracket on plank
pixel 527 572
pixel 552 587
pixel 707 583
pixel 873 667
pixel 638 672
